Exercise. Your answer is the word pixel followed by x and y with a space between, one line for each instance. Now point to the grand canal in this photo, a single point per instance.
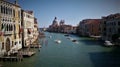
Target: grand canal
pixel 86 53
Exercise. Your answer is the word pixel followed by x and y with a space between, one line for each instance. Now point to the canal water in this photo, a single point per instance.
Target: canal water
pixel 86 53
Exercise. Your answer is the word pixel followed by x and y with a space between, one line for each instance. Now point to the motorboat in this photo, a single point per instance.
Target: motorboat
pixel 75 41
pixel 108 43
pixel 58 41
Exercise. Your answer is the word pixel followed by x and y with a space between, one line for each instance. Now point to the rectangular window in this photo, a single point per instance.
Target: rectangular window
pixel 12 44
pixel 14 13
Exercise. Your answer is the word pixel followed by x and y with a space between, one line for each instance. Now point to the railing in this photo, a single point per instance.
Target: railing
pixel 8 32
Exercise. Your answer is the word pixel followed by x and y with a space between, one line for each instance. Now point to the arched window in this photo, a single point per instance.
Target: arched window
pixel 4 9
pixel 10 27
pixel 1 9
pixel 14 28
pixel 7 27
pixel 2 26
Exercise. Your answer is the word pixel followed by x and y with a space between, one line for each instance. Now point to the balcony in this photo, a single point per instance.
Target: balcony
pixel 8 32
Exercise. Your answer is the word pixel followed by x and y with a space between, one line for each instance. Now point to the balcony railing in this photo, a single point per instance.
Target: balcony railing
pixel 8 32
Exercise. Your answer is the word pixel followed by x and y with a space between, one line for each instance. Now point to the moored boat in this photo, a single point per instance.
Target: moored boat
pixel 108 43
pixel 58 41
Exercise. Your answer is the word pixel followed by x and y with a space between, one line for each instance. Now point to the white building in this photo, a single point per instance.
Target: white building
pixel 28 26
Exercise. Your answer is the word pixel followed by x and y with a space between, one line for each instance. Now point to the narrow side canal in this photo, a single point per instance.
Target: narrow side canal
pixel 86 53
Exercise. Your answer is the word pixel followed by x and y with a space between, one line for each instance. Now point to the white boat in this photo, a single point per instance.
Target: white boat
pixel 58 41
pixel 108 43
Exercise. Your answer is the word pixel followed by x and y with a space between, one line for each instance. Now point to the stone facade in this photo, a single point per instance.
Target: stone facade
pixel 18 28
pixel 28 27
pixel 89 27
pixel 110 25
pixel 10 23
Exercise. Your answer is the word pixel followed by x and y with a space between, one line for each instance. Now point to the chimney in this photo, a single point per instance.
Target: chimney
pixel 16 2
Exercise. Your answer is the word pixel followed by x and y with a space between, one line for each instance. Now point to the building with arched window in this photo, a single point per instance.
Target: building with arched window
pixel 10 24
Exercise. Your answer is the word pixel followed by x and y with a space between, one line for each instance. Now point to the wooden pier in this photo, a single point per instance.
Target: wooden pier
pixel 35 46
pixel 8 58
pixel 28 53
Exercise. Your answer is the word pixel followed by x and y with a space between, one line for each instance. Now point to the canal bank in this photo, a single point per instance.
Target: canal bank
pixel 87 53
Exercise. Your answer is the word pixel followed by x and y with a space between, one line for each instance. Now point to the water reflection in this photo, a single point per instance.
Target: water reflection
pixel 43 41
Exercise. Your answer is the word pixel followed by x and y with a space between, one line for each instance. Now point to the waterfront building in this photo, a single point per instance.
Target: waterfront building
pixel 89 27
pixel 10 25
pixel 93 27
pixel 110 25
pixel 82 29
pixel 74 30
pixel 28 27
pixel 67 29
pixel 35 31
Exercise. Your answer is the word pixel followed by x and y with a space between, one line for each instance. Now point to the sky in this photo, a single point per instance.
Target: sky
pixel 72 11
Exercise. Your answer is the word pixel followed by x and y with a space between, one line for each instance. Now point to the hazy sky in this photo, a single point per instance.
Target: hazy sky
pixel 72 11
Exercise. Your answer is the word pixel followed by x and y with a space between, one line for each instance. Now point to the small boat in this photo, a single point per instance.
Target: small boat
pixel 50 36
pixel 66 35
pixel 108 43
pixel 74 40
pixel 58 41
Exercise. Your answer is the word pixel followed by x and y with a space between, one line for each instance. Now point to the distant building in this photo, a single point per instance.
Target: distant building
pixel 61 27
pixel 54 26
pixel 93 27
pixel 82 29
pixel 89 27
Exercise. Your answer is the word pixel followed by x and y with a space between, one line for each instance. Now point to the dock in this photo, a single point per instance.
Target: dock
pixel 8 58
pixel 35 46
pixel 28 53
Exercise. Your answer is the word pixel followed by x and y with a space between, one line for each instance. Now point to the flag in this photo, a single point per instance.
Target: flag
pixel 3 29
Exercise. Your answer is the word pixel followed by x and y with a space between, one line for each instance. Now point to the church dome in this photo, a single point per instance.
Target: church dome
pixel 55 21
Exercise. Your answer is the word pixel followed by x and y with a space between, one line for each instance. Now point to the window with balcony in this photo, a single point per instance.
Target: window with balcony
pixel 4 10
